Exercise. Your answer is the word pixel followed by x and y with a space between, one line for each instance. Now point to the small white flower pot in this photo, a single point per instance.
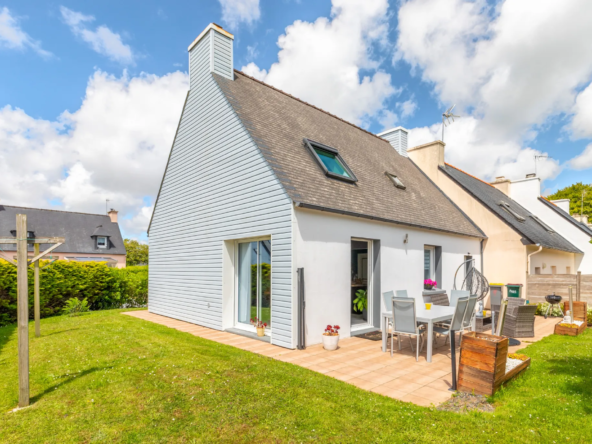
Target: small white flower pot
pixel 330 342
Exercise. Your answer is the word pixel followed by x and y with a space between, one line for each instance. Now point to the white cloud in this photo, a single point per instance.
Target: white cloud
pixel 13 37
pixel 510 67
pixel 254 71
pixel 113 147
pixel 467 149
pixel 584 160
pixel 235 12
pixel 408 107
pixel 321 62
pixel 102 39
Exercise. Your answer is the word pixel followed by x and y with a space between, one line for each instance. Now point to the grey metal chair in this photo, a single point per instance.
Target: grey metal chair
pixel 401 294
pixel 387 297
pixel 469 314
pixel 455 294
pixel 456 323
pixel 495 302
pixel 405 323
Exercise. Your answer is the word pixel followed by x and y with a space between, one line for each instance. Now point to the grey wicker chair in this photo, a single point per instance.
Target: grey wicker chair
pixel 440 299
pixel 519 321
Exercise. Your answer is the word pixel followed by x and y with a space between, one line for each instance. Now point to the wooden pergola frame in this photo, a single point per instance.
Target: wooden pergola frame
pixel 22 263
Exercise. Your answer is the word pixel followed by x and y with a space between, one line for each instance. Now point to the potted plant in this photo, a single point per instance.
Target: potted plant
pixel 331 337
pixel 361 301
pixel 260 326
pixel 428 284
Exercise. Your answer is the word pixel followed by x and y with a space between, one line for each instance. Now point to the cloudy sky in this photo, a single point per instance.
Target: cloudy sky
pixel 91 92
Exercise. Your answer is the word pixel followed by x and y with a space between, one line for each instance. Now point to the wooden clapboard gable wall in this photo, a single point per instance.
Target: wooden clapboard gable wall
pixel 217 187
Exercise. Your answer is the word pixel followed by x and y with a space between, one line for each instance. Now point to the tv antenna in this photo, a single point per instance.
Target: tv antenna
pixel 536 158
pixel 446 116
pixel 107 205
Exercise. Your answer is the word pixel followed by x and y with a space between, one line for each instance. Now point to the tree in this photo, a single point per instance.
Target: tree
pixel 137 253
pixel 574 194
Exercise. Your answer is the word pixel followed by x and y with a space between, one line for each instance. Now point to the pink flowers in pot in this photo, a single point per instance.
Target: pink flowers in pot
pixel 332 330
pixel 258 324
pixel 428 284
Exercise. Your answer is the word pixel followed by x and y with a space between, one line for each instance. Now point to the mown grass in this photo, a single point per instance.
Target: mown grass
pixel 107 377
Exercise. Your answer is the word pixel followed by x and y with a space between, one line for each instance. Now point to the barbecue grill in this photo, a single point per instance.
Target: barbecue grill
pixel 553 299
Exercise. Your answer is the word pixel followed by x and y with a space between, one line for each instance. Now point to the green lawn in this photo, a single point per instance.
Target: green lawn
pixel 107 377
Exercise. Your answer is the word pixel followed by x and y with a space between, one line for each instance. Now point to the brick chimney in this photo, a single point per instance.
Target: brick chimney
pixel 502 184
pixel 113 215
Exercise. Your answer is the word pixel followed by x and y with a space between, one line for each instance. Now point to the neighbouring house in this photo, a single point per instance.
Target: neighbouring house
pixel 554 215
pixel 260 184
pixel 518 242
pixel 89 237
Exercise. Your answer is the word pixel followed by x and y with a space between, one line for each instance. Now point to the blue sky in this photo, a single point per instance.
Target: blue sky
pixel 90 93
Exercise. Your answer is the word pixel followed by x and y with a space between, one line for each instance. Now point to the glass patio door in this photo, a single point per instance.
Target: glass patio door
pixel 254 282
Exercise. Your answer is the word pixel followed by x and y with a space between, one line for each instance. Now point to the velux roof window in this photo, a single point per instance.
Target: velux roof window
pixel 398 183
pixel 506 207
pixel 330 161
pixel 543 224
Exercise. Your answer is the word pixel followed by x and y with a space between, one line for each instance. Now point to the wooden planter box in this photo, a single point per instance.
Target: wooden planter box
pixel 482 363
pixel 567 331
pixel 580 310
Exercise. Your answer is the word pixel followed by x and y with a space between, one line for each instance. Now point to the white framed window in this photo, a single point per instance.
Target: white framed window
pixel 429 259
pixel 101 242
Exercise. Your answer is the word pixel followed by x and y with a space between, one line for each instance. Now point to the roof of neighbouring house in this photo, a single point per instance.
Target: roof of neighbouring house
pixel 567 216
pixel 278 123
pixel 76 228
pixel 532 231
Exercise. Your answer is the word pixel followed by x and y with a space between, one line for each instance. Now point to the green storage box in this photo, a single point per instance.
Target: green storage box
pixel 514 290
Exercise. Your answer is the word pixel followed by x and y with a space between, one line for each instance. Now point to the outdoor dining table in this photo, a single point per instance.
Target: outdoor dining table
pixel 438 313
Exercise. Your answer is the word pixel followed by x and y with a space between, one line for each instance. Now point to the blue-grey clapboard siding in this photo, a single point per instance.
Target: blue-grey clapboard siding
pixel 217 187
pixel 398 139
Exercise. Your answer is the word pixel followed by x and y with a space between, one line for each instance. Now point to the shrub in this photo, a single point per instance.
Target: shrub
pixel 75 307
pixel 542 309
pixel 101 286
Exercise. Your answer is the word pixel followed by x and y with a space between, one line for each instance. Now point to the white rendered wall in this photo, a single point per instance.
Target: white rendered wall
pixel 549 258
pixel 322 246
pixel 526 193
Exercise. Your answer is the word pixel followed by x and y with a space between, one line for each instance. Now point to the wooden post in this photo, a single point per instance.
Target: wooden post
pixel 578 285
pixel 37 303
pixel 571 313
pixel 22 308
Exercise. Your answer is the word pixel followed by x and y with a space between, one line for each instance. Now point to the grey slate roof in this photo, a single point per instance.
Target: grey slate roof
pixel 278 123
pixel 566 216
pixel 531 231
pixel 77 228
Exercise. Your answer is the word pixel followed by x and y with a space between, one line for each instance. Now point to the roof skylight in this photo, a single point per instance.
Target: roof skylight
pixel 398 183
pixel 506 207
pixel 543 224
pixel 330 161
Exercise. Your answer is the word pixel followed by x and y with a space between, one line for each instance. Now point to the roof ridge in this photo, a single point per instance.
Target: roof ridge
pixel 550 201
pixel 464 172
pixel 57 211
pixel 308 104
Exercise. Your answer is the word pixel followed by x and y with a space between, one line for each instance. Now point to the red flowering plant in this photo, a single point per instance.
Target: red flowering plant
pixel 258 323
pixel 332 330
pixel 428 284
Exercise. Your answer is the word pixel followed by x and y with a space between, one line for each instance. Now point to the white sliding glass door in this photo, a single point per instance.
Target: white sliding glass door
pixel 254 282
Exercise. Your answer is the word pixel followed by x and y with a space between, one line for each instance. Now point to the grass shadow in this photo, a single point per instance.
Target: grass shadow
pixel 581 368
pixel 70 378
pixel 6 333
pixel 59 332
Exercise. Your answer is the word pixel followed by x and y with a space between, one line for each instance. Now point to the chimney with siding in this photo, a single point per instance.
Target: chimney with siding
pixel 397 137
pixel 211 52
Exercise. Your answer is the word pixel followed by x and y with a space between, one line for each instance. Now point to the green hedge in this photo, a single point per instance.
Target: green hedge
pixel 102 286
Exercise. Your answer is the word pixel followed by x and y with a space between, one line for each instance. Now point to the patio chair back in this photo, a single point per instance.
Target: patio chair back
pixel 459 314
pixel 387 297
pixel 470 311
pixel 402 294
pixel 455 294
pixel 404 315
